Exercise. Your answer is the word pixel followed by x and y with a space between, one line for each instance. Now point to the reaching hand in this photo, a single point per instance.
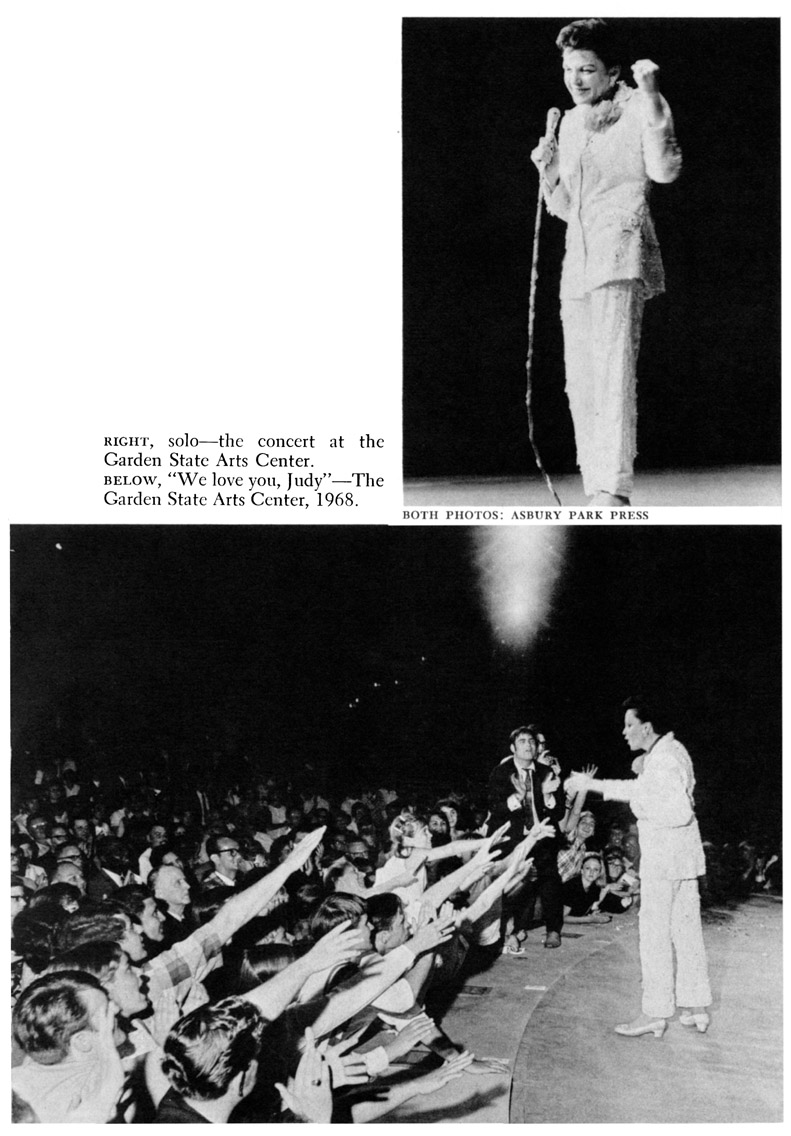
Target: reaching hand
pixel 520 872
pixel 304 850
pixel 419 1029
pixel 345 1068
pixel 541 830
pixel 449 1071
pixel 480 864
pixel 342 944
pixel 405 880
pixel 309 1092
pixel 497 837
pixel 484 1065
pixel 590 770
pixel 431 936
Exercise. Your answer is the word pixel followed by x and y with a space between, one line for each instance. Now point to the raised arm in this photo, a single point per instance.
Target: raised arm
pixel 569 823
pixel 515 863
pixel 661 152
pixel 241 908
pixel 468 873
pixel 456 848
pixel 391 1096
pixel 340 945
pixel 659 794
pixel 348 999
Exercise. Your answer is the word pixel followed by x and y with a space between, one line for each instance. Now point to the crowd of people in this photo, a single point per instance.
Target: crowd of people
pixel 192 947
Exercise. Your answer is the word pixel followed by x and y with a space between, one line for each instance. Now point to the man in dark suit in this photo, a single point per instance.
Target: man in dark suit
pixel 515 796
pixel 113 870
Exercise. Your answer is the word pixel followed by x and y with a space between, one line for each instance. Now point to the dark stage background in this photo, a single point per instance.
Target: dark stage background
pixel 367 652
pixel 475 97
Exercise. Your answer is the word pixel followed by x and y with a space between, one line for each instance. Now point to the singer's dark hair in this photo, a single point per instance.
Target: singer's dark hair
pixel 596 36
pixel 651 711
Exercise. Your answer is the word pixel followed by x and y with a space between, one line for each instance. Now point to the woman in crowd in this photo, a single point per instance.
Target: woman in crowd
pixel 582 894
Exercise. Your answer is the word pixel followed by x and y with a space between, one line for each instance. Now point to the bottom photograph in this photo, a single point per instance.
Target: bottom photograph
pixel 396 825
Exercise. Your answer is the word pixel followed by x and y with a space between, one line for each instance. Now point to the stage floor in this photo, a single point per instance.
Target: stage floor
pixel 731 486
pixel 551 1013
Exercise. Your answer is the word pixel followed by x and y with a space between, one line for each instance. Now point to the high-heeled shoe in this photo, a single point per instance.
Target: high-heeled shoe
pixel 701 1022
pixel 637 1028
pixel 615 500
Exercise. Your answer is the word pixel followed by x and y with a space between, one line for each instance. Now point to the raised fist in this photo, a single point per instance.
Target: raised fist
pixel 646 76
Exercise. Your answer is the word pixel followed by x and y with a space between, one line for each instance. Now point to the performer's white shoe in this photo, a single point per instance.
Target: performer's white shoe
pixel 641 1025
pixel 603 498
pixel 700 1021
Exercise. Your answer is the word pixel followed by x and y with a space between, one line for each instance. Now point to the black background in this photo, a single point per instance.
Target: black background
pixel 258 641
pixel 475 97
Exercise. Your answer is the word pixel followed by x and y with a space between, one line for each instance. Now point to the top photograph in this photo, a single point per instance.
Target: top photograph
pixel 591 219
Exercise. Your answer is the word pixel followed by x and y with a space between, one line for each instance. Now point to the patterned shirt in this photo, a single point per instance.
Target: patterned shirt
pixel 175 978
pixel 570 860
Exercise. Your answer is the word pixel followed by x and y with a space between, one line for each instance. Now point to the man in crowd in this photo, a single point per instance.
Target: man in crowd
pixel 211 1061
pixel 515 796
pixel 157 838
pixel 113 870
pixel 225 854
pixel 71 1070
pixel 170 885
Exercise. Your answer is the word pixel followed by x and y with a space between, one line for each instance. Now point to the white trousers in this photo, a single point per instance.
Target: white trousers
pixel 670 924
pixel 601 336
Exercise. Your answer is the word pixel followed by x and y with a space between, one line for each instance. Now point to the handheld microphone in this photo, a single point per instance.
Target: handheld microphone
pixel 553 118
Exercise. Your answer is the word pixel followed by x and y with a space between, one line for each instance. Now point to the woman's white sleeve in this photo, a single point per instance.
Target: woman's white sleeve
pixel 661 151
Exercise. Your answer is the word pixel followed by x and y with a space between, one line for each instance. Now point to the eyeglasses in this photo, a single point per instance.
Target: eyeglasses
pixel 231 851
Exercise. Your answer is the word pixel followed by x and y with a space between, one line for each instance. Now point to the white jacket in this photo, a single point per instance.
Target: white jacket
pixel 661 797
pixel 608 157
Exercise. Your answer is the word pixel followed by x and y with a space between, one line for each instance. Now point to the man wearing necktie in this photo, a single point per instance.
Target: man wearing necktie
pixel 515 796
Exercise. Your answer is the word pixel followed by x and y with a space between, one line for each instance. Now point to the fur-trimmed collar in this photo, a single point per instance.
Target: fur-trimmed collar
pixel 604 113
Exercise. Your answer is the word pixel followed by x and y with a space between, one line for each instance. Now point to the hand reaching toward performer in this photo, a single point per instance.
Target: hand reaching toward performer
pixel 540 831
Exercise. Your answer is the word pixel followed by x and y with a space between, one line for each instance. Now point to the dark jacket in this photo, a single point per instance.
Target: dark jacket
pixel 521 819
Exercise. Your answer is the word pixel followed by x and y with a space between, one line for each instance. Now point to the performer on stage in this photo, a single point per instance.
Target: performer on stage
pixel 596 178
pixel 661 797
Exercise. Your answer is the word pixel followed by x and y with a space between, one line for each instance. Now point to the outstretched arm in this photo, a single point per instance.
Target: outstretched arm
pixel 241 908
pixel 468 873
pixel 569 823
pixel 348 999
pixel 340 945
pixel 393 1095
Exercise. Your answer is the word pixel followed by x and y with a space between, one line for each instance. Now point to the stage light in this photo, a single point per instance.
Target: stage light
pixel 518 569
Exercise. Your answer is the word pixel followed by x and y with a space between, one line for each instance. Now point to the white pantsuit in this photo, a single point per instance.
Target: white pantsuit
pixel 601 337
pixel 672 954
pixel 608 157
